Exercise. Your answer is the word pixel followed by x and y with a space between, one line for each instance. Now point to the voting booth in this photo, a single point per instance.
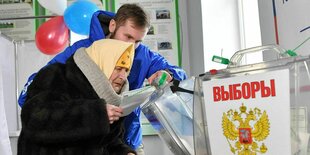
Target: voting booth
pixel 18 60
pixel 259 108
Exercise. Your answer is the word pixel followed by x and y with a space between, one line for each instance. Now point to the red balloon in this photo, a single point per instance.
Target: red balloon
pixel 52 36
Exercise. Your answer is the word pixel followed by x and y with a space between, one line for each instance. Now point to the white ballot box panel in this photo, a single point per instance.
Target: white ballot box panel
pixel 252 107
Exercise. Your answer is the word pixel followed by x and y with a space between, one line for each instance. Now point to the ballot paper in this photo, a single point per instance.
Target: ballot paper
pixel 133 99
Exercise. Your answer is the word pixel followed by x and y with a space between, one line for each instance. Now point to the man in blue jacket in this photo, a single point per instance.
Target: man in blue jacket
pixel 129 24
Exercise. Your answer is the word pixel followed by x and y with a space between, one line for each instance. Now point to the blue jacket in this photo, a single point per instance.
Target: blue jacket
pixel 146 63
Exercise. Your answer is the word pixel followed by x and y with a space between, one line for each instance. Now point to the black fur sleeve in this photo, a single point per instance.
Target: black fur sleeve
pixel 56 112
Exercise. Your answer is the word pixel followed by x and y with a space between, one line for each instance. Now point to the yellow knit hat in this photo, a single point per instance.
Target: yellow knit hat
pixel 108 53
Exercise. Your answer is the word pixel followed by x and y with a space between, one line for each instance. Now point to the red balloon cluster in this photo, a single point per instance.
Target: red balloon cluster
pixel 52 36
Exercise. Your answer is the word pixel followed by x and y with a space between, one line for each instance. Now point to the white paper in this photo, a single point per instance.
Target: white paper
pixel 276 107
pixel 133 99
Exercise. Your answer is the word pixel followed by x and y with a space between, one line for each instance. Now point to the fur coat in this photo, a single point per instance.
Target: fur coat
pixel 65 113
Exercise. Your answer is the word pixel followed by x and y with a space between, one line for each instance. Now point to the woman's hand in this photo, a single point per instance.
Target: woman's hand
pixel 114 112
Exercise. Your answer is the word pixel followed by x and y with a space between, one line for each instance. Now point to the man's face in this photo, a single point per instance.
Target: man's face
pixel 118 78
pixel 127 32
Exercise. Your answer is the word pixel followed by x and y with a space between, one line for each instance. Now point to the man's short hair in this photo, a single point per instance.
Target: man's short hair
pixel 134 13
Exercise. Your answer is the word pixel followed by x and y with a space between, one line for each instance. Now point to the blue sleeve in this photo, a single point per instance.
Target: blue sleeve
pixel 23 94
pixel 158 62
pixel 59 58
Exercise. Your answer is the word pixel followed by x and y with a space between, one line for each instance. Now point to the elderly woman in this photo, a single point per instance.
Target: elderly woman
pixel 72 108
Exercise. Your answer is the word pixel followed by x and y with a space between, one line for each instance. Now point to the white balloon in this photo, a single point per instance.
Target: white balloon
pixel 55 6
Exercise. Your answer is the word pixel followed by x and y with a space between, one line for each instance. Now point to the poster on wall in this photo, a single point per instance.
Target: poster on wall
pixel 20 15
pixel 162 36
pixel 17 29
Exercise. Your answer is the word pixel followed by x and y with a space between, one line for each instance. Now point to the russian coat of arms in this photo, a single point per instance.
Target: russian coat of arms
pixel 246 130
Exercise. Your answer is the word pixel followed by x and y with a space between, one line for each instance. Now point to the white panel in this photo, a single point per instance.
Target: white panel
pixel 27 59
pixel 7 61
pixel 220 30
pixel 30 60
pixel 5 146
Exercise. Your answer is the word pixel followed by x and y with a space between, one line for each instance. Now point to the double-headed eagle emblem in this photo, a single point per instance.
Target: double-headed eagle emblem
pixel 237 128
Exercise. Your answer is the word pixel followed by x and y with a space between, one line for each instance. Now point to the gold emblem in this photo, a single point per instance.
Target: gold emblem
pixel 246 138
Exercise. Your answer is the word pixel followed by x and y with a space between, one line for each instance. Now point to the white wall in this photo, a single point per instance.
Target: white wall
pixel 292 17
pixel 192 31
pixel 7 64
pixel 5 145
pixel 230 26
pixel 184 41
pixel 267 26
pixel 220 30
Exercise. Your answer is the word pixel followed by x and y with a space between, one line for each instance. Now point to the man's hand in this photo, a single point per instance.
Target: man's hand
pixel 114 112
pixel 158 74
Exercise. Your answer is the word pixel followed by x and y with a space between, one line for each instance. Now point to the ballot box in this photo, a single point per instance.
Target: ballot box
pixel 259 108
pixel 170 112
pixel 247 108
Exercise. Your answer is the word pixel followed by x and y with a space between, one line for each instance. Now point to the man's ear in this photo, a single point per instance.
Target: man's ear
pixel 112 25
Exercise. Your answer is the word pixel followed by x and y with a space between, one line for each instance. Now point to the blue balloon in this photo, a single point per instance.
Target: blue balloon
pixel 78 16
